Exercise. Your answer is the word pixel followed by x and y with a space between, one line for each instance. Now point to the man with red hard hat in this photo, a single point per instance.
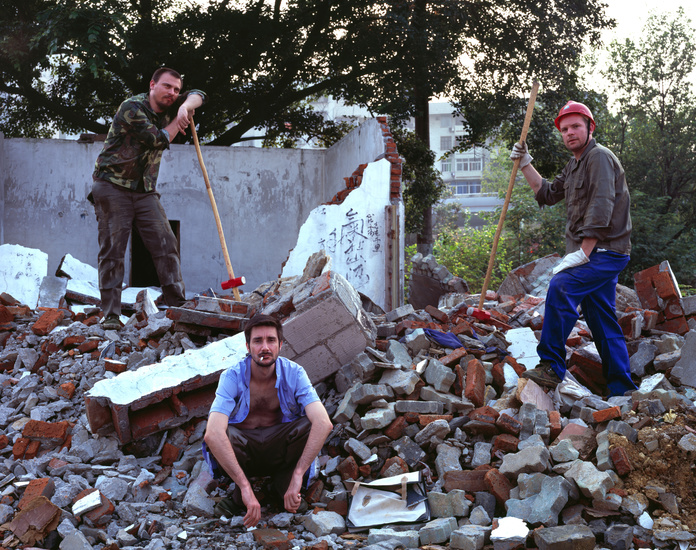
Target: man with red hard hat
pixel 598 233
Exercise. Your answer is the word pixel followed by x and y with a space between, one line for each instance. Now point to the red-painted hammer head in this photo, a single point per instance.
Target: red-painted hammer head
pixel 233 283
pixel 480 314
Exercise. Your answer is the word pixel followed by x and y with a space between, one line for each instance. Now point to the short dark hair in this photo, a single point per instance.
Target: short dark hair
pixel 261 320
pixel 165 70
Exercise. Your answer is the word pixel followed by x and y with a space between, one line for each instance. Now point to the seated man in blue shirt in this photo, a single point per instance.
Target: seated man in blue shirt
pixel 266 419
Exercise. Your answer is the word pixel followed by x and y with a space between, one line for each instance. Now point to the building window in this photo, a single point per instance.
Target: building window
pixel 445 121
pixel 445 143
pixel 474 165
pixel 466 187
pixel 462 165
pixel 446 166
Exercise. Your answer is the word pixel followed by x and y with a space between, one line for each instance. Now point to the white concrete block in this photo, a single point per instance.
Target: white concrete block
pixel 21 272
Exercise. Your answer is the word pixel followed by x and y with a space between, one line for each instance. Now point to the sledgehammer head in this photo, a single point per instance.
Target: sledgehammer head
pixel 233 283
pixel 480 314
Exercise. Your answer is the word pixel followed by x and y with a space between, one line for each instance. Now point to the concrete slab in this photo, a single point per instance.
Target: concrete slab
pixel 21 272
pixel 523 346
pixel 52 291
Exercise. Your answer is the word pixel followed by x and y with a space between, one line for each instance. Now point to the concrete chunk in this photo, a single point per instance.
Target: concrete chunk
pixel 577 537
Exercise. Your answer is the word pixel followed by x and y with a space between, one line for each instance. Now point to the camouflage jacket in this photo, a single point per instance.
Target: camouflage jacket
pixel 133 148
pixel 598 205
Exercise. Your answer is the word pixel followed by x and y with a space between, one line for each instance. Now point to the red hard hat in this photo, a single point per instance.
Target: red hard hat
pixel 570 108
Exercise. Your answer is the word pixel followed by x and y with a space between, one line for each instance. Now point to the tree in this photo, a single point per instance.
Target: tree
pixel 68 63
pixel 653 133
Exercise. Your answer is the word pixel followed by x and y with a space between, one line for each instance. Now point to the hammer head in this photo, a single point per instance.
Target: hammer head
pixel 233 283
pixel 480 314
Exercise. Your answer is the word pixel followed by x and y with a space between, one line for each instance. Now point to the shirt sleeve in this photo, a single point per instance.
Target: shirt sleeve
pixel 601 180
pixel 135 119
pixel 226 394
pixel 304 390
pixel 551 192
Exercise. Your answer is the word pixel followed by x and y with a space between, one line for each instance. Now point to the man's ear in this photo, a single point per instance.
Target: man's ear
pixel 247 345
pixel 152 84
pixel 280 345
pixel 592 127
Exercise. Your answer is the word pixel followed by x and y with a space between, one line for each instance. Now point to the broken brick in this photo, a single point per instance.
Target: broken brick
pixel 348 468
pixel 425 419
pixel 20 447
pixel 454 357
pixel 606 414
pixel 272 539
pixel 622 463
pixel 51 434
pixel 506 443
pixel 471 481
pixel 508 424
pixel 396 429
pixel 170 454
pixel 37 487
pixel 47 322
pixel 498 485
pixel 437 314
pixel 66 390
pixel 475 382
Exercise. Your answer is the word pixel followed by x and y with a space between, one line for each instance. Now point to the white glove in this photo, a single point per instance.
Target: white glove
pixel 520 151
pixel 571 260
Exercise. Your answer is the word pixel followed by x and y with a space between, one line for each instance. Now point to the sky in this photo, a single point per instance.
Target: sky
pixel 631 15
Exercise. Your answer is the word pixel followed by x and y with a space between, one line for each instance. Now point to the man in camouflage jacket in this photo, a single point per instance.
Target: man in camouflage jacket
pixel 124 190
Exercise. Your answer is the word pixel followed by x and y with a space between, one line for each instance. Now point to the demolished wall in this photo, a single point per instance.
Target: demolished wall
pixel 263 196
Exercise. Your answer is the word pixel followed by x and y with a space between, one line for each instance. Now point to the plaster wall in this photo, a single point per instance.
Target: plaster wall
pixel 263 197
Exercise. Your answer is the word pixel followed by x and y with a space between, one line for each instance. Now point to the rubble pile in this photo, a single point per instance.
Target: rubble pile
pixel 101 432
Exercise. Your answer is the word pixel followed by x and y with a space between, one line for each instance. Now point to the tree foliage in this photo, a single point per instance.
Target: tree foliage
pixel 654 132
pixel 68 63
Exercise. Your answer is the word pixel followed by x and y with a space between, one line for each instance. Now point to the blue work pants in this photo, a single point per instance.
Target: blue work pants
pixel 593 287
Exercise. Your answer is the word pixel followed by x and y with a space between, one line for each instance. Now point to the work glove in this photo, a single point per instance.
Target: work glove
pixel 571 260
pixel 520 151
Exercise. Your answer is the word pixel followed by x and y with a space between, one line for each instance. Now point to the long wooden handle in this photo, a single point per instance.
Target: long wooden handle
pixel 513 176
pixel 228 263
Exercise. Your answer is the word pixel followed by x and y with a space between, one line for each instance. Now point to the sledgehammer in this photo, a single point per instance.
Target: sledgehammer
pixel 480 313
pixel 233 281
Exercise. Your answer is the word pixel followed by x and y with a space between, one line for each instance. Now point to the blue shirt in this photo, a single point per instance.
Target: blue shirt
pixel 232 397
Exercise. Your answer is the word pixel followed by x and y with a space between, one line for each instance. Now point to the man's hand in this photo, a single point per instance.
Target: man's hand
pixel 183 118
pixel 253 514
pixel 292 498
pixel 520 151
pixel 571 260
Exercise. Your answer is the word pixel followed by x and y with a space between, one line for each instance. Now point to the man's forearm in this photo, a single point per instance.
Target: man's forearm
pixel 588 246
pixel 532 176
pixel 315 441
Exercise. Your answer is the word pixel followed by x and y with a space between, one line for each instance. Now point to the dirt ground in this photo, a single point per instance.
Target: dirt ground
pixel 666 469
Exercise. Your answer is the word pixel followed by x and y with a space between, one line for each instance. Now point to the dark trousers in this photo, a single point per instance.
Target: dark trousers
pixel 272 451
pixel 117 210
pixel 593 287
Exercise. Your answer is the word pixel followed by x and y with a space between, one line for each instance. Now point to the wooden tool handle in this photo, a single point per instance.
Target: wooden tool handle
pixel 226 255
pixel 513 175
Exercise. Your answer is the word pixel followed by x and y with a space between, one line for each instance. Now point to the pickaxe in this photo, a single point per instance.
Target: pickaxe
pixel 480 313
pixel 233 282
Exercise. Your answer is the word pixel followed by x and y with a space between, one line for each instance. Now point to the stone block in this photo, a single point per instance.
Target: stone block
pixel 439 376
pixel 447 459
pixel 469 537
pixel 22 270
pixel 440 505
pixel 451 402
pixel 409 451
pixel 409 539
pixel 565 537
pixel 418 407
pixel 528 460
pixel 471 481
pixel 591 481
pixel 403 382
pixel 367 393
pixel 439 429
pixel 416 342
pixel 376 419
pixel 325 523
pixel 437 531
pixel 346 408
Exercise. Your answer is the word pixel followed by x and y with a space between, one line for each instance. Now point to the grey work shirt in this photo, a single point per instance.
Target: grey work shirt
pixel 597 201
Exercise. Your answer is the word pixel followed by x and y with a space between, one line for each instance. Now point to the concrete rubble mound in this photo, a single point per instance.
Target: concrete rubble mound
pixel 101 431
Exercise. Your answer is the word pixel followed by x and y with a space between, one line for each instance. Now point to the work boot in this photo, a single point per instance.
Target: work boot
pixel 543 374
pixel 112 322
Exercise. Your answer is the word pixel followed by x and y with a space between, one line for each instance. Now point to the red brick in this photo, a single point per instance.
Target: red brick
pixel 463 327
pixel 112 365
pixel 50 433
pixel 395 430
pixel 348 469
pixel 394 460
pixel 170 454
pixel 476 427
pixel 606 414
pixel 676 326
pixel 498 373
pixel 72 341
pixel 484 414
pixel 555 422
pixel 646 294
pixel 626 324
pixel 338 506
pixel 5 315
pixel 425 419
pixel 459 381
pixel 453 357
pixel 436 314
pixel 622 464
pixel 498 485
pixel 88 346
pixel 32 449
pixel 505 442
pixel 471 481
pixel 365 470
pixel 66 390
pixel 37 487
pixel 20 447
pixel 508 424
pixel 475 382
pixel 314 491
pixel 47 322
pixel 150 419
pixel 4 440
pixel 665 286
